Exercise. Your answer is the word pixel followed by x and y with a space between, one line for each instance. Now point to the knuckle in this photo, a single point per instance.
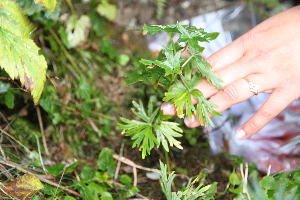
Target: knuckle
pixel 268 113
pixel 246 39
pixel 230 93
pixel 253 126
pixel 212 60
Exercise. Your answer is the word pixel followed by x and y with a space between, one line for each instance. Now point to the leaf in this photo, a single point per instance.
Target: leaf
pixel 85 89
pixel 49 4
pixel 150 132
pixel 172 63
pixel 106 161
pixel 22 187
pixel 107 10
pixel 87 173
pixel 268 183
pixel 10 99
pixel 205 69
pixel 97 24
pixel 56 170
pixel 13 19
pixel 106 196
pixel 20 57
pixel 108 48
pixel 69 198
pixel 125 179
pixel 77 30
pixel 152 29
pixel 234 179
pixel 181 97
pixel 166 132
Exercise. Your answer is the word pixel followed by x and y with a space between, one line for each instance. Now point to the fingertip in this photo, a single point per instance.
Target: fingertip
pixel 191 123
pixel 168 109
pixel 240 134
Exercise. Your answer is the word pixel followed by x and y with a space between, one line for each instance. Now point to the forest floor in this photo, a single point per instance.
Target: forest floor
pixel 195 159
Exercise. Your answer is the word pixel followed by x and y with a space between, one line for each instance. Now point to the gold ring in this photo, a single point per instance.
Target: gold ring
pixel 252 87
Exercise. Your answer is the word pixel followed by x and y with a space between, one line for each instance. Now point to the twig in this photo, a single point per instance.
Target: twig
pixel 131 163
pixel 38 110
pixel 93 125
pixel 269 170
pixel 134 176
pixel 2 131
pixel 119 162
pixel 39 176
pixel 5 172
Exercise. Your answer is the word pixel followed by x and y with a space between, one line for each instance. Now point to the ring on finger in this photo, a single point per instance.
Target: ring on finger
pixel 252 87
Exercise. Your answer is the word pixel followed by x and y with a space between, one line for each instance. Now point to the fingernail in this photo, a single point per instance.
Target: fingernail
pixel 168 109
pixel 240 134
pixel 189 121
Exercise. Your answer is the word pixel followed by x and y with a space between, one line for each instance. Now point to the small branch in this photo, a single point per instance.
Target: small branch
pixel 131 163
pixel 119 162
pixel 134 177
pixel 2 131
pixel 42 129
pixel 5 172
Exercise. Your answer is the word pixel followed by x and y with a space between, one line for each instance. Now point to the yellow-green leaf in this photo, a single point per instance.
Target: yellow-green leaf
pixel 109 11
pixel 78 29
pixel 12 18
pixel 22 187
pixel 19 55
pixel 49 4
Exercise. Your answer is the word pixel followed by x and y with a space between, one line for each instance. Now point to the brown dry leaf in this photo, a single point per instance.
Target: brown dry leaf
pixel 22 187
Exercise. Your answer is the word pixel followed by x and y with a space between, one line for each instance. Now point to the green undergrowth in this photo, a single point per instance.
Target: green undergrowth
pixel 62 113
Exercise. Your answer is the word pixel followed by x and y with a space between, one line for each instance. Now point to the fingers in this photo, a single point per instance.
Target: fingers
pixel 228 74
pixel 276 103
pixel 233 93
pixel 230 53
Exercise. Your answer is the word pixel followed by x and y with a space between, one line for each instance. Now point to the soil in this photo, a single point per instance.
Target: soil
pixel 135 13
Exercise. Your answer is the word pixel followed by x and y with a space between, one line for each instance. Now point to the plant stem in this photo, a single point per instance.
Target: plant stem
pixel 75 74
pixel 167 161
pixel 40 154
pixel 187 61
pixel 71 7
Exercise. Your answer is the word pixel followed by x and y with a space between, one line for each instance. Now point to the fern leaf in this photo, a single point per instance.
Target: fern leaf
pixel 20 56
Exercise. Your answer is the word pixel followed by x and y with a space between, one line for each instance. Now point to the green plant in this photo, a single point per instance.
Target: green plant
pixel 248 184
pixel 175 74
pixel 20 57
pixel 190 192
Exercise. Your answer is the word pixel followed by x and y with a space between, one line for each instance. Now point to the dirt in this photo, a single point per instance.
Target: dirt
pixel 135 13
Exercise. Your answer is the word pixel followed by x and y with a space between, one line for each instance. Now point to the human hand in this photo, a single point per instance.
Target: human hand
pixel 267 56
